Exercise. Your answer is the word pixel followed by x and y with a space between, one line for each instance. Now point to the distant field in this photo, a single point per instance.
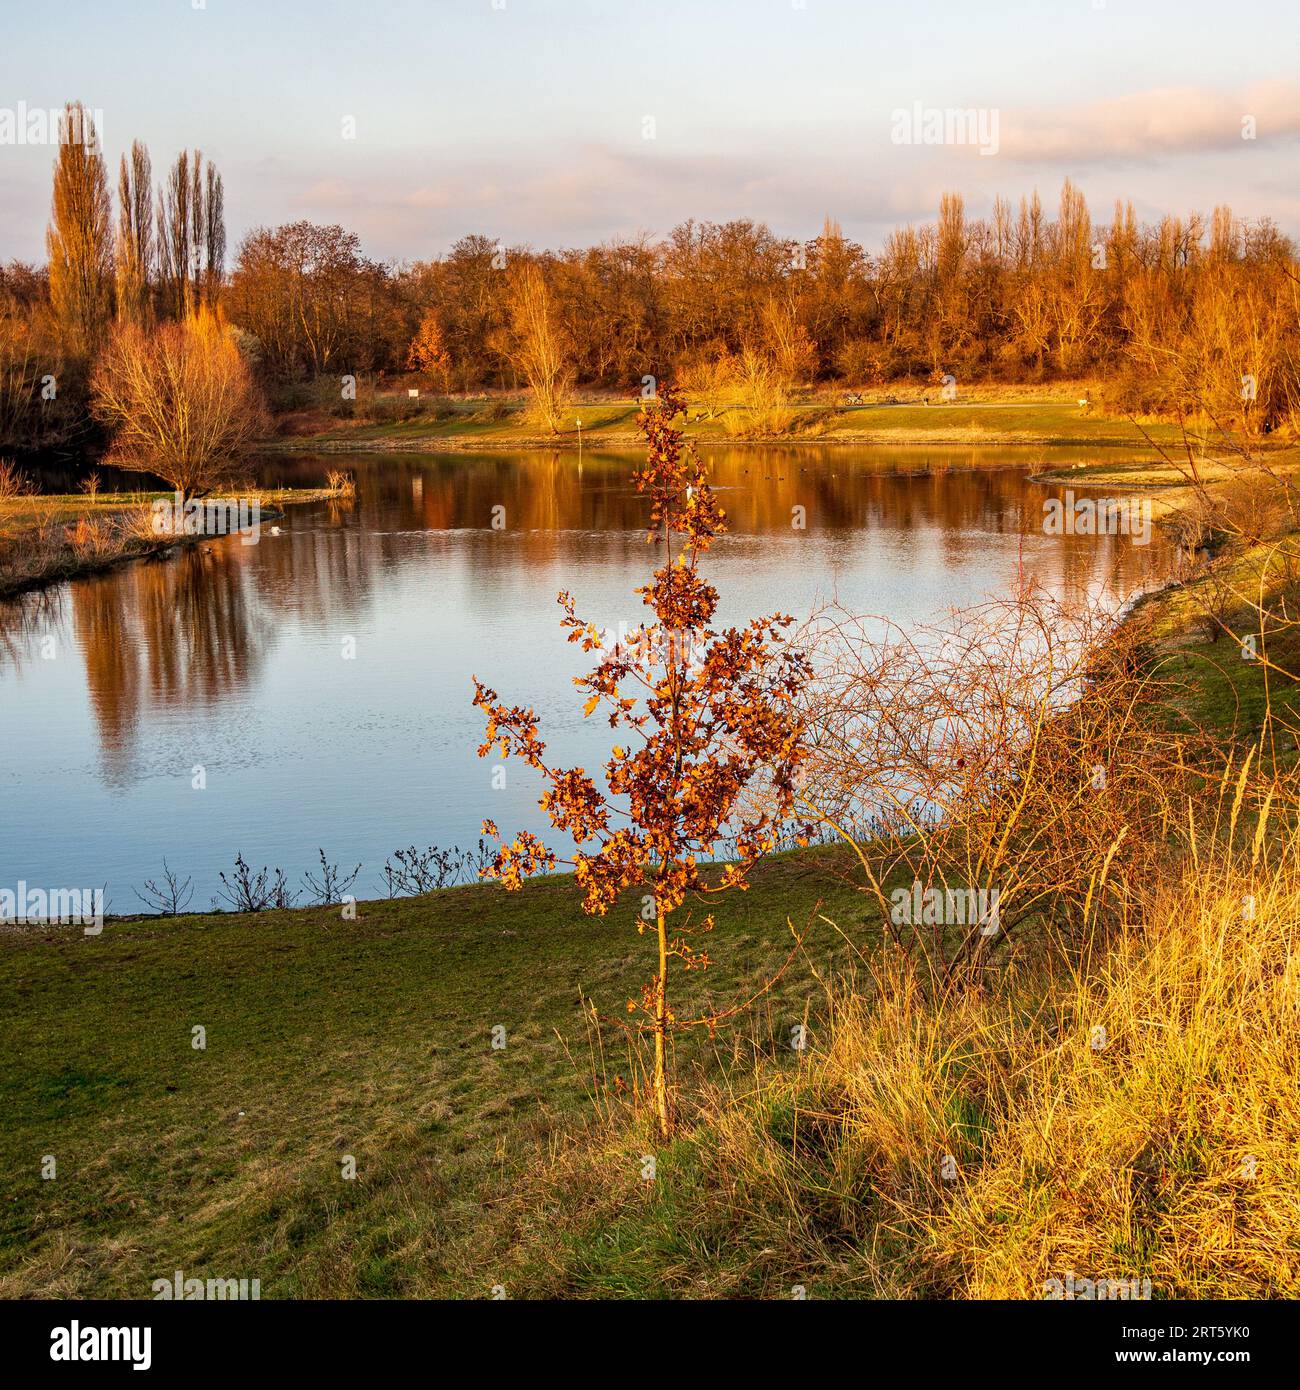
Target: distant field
pixel 465 424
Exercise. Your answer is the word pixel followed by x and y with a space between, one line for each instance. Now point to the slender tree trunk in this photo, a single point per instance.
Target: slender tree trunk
pixel 661 1031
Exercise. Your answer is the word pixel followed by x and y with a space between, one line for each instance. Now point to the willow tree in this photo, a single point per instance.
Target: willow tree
pixel 180 400
pixel 79 241
pixel 711 742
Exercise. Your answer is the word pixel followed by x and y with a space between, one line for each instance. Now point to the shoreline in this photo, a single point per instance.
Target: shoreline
pixel 596 441
pixel 64 563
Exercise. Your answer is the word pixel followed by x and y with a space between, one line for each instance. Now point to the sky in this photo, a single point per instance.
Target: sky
pixel 559 123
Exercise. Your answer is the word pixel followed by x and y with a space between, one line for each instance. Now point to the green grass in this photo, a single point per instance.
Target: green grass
pixel 1020 421
pixel 1212 684
pixel 328 1038
pixel 1046 421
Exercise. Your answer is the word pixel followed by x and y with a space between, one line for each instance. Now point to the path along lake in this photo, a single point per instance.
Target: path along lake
pixel 237 658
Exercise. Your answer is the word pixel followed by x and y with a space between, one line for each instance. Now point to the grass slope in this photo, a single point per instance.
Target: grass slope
pixel 328 1038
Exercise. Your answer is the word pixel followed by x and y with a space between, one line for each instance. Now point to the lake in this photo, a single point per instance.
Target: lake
pixel 313 690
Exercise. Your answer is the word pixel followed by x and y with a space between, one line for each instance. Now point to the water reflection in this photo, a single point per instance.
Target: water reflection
pixel 233 658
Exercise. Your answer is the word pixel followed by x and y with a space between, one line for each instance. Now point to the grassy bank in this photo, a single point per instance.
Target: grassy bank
pixel 1129 1115
pixel 327 1038
pixel 980 415
pixel 985 1148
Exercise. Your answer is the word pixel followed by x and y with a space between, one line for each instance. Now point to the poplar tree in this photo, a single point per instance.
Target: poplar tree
pixel 135 244
pixel 79 241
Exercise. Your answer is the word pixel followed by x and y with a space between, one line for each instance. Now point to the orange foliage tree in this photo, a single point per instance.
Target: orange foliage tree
pixel 714 740
pixel 428 350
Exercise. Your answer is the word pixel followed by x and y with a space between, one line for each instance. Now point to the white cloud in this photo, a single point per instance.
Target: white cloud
pixel 1150 124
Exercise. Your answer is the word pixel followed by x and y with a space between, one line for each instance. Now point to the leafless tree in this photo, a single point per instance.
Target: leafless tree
pixel 181 400
pixel 332 885
pixel 170 897
pixel 135 244
pixel 538 344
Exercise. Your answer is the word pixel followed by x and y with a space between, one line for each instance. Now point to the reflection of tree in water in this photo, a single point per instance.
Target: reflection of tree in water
pixel 25 620
pixel 198 627
pixel 203 637
pixel 178 632
pixel 949 497
pixel 949 500
pixel 110 652
pixel 322 569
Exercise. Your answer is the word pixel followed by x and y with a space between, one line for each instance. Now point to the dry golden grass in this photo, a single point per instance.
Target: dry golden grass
pixel 1139 1121
pixel 1135 1119
pixel 42 539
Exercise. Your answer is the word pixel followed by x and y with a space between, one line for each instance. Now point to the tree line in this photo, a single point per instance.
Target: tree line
pixel 1185 315
pixel 1177 312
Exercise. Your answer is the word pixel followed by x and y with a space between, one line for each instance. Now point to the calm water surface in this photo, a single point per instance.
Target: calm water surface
pixel 231 657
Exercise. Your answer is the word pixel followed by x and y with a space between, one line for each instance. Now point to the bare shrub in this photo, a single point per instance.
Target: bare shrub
pixel 93 538
pixel 331 885
pixel 13 484
pixel 1251 506
pixel 1214 601
pixel 708 377
pixel 1012 751
pixel 411 872
pixel 763 395
pixel 246 891
pixel 168 898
